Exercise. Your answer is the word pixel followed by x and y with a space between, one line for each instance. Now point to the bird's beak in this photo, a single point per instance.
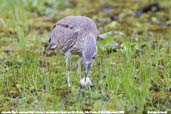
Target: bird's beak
pixel 52 46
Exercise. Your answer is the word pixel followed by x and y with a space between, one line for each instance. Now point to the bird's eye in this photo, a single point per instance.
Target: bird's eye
pixel 66 26
pixel 94 57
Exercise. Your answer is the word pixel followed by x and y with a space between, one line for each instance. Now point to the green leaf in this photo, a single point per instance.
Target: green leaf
pixel 105 35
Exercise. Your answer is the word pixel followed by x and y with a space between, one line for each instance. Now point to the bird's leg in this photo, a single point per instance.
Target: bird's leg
pixel 86 81
pixel 80 62
pixel 67 61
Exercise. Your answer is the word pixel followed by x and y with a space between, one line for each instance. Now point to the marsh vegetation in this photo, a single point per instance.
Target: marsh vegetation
pixel 131 72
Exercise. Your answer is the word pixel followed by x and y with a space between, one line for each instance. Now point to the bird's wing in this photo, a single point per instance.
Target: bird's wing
pixel 67 31
pixel 70 42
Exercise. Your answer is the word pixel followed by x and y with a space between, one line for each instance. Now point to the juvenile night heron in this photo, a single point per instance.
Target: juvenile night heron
pixel 75 35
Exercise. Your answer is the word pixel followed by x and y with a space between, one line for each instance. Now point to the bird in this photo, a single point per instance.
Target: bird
pixel 75 35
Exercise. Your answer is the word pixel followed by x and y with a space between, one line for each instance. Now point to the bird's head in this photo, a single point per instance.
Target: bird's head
pixel 52 44
pixel 49 46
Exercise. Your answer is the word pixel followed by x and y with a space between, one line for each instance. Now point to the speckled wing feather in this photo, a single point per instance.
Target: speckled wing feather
pixel 70 42
pixel 66 34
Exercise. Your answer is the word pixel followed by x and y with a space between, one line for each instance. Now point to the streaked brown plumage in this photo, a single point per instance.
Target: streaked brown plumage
pixel 76 35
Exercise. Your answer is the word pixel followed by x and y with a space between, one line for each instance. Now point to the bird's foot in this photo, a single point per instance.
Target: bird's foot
pixel 84 82
pixel 69 85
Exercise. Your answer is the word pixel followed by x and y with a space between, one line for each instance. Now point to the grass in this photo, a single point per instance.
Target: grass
pixel 134 77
